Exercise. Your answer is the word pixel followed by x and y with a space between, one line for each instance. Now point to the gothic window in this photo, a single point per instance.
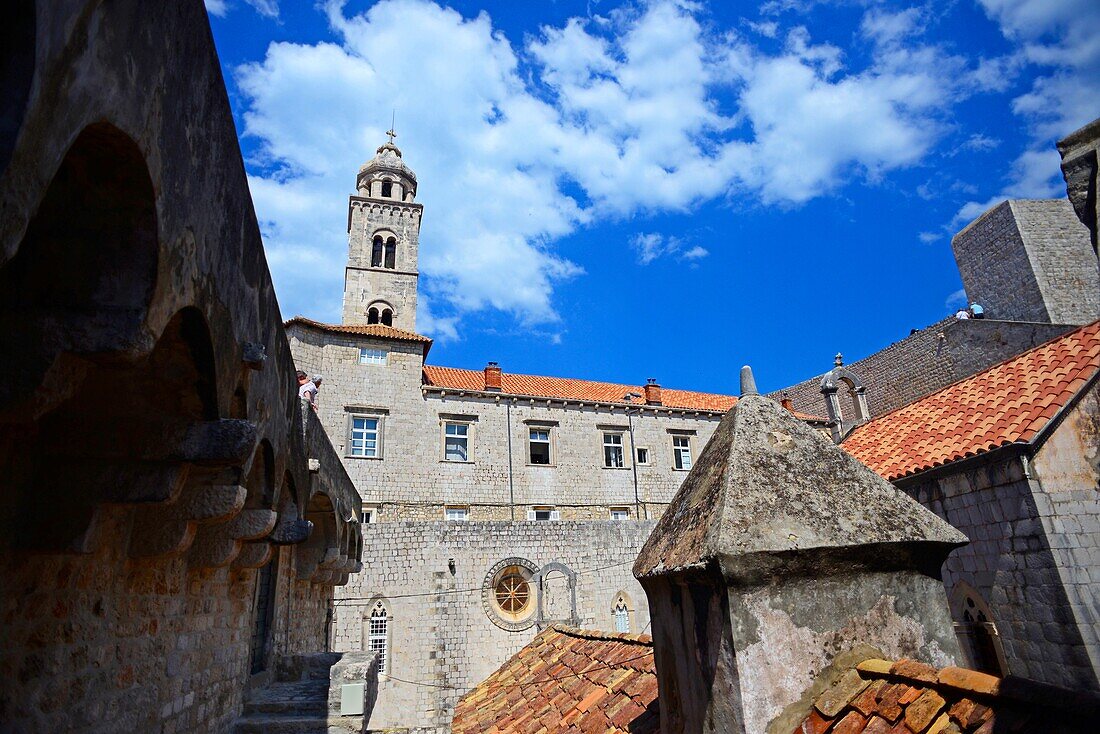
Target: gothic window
pixel 387 189
pixel 681 451
pixel 376 253
pixel 391 253
pixel 977 632
pixel 621 613
pixel 378 635
pixel 372 315
pixel 613 450
pixel 387 317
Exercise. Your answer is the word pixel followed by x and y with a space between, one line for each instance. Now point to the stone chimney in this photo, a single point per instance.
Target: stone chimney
pixel 652 392
pixel 492 377
pixel 780 561
pixel 786 403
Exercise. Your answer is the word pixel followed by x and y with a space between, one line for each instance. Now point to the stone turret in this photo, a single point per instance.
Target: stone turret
pixel 781 559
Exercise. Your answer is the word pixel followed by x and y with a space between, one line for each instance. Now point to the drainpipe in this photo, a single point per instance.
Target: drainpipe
pixel 511 487
pixel 634 456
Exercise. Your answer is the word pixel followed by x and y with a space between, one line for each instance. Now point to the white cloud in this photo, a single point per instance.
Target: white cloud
pixel 955 300
pixel 653 245
pixel 266 8
pixel 217 7
pixel 929 237
pixel 623 111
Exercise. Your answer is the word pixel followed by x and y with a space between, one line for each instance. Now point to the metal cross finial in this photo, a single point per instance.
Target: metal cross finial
pixel 839 359
pixel 390 132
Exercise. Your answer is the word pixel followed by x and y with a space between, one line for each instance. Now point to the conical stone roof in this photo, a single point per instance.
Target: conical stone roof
pixel 387 158
pixel 770 494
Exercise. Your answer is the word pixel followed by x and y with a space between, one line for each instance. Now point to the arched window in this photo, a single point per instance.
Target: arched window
pixel 387 317
pixel 378 635
pixel 376 253
pixel 391 252
pixel 372 315
pixel 621 613
pixel 977 632
pixel 387 189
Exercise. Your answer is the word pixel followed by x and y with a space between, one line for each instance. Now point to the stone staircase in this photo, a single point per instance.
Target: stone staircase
pixel 304 697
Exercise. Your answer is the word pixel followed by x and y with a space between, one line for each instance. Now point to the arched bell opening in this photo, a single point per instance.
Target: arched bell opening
pixel 323 543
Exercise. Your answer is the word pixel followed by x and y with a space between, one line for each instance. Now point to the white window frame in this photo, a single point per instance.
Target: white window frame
pixel 378 636
pixel 456 513
pixel 369 514
pixel 620 445
pixel 638 455
pixel 549 431
pixel 373 356
pixel 619 514
pixel 466 435
pixel 379 432
pixel 550 512
pixel 620 614
pixel 678 455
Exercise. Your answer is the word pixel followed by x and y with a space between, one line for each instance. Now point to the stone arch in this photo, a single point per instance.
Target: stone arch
pixel 508 592
pixel 377 251
pixel 976 628
pixel 387 317
pixel 261 478
pixel 377 310
pixel 557 592
pixel 321 551
pixel 18 38
pixel 831 382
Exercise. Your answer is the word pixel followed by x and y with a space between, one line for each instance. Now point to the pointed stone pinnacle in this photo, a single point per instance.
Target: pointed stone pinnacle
pixel 748 382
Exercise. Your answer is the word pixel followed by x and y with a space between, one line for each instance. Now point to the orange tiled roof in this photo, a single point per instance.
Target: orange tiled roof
pixel 1007 403
pixel 567 388
pixel 880 697
pixel 567 680
pixel 381 330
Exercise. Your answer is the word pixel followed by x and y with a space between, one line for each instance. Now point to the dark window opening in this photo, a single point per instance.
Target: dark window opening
pixel 376 253
pixel 391 253
pixel 387 189
pixel 387 317
pixel 372 316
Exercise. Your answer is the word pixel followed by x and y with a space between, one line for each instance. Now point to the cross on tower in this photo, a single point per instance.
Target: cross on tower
pixel 390 132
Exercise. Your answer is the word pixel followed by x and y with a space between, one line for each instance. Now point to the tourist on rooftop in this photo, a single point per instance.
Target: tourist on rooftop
pixel 976 311
pixel 962 313
pixel 307 389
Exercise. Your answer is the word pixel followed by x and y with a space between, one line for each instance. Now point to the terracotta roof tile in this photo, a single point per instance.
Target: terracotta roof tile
pixel 567 680
pixel 567 388
pixel 912 697
pixel 377 330
pixel 1007 403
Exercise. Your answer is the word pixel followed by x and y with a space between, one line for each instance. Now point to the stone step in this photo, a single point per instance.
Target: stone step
pixel 301 724
pixel 298 697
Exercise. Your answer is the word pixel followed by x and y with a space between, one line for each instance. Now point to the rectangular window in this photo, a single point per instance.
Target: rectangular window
pixel 681 451
pixel 372 356
pixel 643 455
pixel 368 515
pixel 456 441
pixel 539 445
pixel 460 514
pixel 366 435
pixel 543 514
pixel 620 513
pixel 613 450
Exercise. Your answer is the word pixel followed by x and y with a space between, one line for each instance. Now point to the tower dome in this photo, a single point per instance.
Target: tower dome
pixel 385 176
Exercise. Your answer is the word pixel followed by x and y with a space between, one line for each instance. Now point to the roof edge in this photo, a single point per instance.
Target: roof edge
pixel 629 637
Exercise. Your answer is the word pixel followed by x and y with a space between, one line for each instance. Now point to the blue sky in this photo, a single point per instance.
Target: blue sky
pixel 623 190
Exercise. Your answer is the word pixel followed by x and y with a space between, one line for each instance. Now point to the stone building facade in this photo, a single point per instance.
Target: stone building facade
pixel 1029 260
pixel 172 522
pixel 475 479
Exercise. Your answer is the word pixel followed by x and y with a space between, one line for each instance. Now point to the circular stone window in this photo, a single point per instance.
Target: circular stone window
pixel 508 594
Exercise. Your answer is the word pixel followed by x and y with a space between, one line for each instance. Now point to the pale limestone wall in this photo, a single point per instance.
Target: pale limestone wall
pixel 1017 565
pixel 414 482
pixel 365 284
pixel 443 637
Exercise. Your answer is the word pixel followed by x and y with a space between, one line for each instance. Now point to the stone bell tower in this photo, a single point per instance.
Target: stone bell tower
pixel 383 242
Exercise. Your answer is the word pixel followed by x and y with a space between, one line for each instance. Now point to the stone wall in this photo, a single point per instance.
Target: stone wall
pixel 1013 564
pixel 412 479
pixel 443 641
pixel 1029 260
pixel 156 459
pixel 926 361
pixel 364 284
